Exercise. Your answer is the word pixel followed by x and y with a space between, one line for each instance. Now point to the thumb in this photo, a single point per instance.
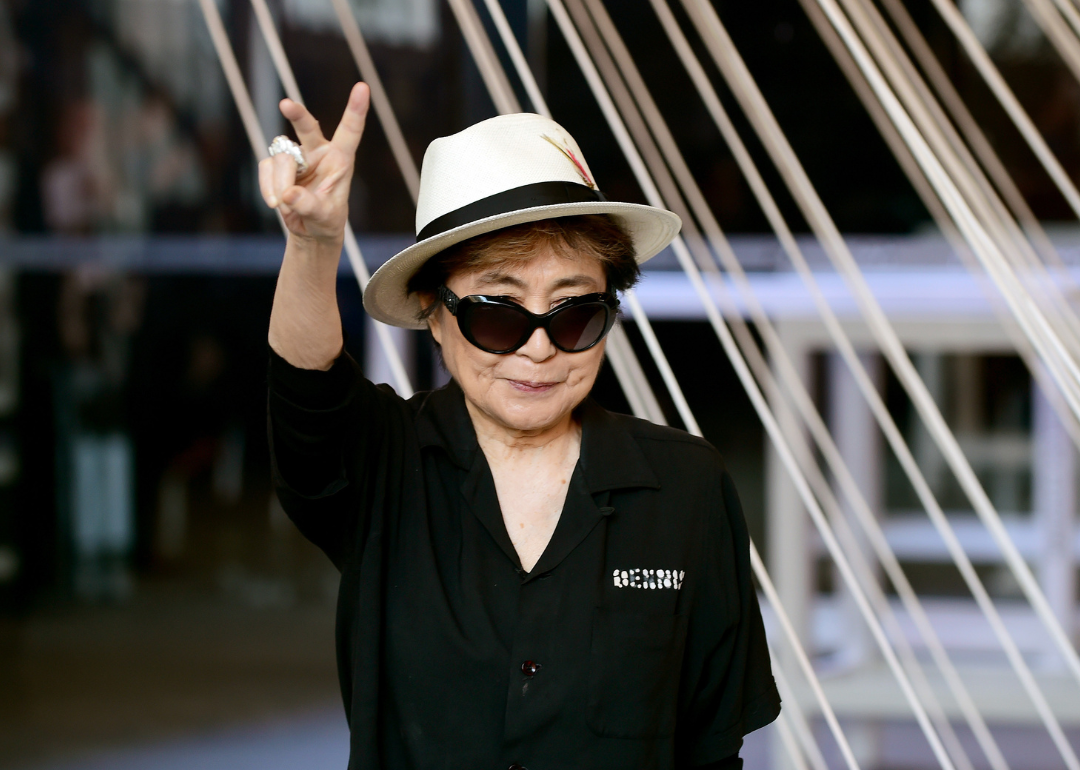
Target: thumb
pixel 300 200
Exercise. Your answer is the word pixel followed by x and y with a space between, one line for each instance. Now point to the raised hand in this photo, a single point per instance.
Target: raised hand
pixel 315 206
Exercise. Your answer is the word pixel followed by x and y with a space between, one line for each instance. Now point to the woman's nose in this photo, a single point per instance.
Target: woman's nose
pixel 538 347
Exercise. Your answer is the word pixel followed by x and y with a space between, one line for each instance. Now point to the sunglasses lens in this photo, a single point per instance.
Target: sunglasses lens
pixel 580 326
pixel 496 328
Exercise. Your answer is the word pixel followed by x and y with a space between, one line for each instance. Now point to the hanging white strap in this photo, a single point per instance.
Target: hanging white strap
pixel 1058 32
pixel 800 726
pixel 955 20
pixel 379 100
pixel 486 59
pixel 521 66
pixel 972 133
pixel 787 738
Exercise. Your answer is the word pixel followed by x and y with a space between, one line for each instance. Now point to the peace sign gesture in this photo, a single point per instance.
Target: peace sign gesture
pixel 315 205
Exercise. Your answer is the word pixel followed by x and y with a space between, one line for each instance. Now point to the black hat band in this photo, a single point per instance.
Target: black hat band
pixel 525 197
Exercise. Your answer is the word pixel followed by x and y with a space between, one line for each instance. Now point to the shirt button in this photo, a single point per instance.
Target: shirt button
pixel 529 668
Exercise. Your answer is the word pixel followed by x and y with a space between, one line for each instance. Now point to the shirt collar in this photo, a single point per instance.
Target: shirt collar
pixel 443 421
pixel 610 455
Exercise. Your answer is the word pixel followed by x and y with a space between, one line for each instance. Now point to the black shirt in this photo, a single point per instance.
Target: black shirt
pixel 636 641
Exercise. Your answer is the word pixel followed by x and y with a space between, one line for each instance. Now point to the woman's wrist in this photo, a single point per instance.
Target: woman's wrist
pixel 313 262
pixel 305 326
pixel 316 247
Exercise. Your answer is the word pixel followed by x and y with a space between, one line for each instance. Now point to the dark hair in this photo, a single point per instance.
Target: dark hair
pixel 595 235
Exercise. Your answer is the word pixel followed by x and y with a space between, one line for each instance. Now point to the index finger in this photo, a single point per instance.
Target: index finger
pixel 351 128
pixel 304 123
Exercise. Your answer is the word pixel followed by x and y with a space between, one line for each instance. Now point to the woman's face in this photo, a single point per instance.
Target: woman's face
pixel 537 386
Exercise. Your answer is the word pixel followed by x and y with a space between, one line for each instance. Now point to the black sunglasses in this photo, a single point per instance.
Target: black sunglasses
pixel 498 325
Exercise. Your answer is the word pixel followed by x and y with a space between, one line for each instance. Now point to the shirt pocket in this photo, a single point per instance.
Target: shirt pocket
pixel 634 667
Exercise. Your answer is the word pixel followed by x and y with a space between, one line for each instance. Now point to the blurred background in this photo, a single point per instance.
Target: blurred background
pixel 157 609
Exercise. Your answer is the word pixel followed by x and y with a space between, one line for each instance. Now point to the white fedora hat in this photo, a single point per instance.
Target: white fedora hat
pixel 498 173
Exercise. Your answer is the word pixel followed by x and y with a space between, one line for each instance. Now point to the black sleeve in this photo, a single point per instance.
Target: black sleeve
pixel 321 426
pixel 729 688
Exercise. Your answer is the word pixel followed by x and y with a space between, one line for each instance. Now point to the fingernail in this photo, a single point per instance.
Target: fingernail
pixel 273 203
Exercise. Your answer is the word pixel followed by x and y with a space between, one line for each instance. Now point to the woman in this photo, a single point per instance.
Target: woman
pixel 527 580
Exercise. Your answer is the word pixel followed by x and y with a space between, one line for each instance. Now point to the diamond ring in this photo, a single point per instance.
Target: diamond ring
pixel 283 144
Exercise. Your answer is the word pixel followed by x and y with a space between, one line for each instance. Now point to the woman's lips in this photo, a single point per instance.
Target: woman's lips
pixel 526 386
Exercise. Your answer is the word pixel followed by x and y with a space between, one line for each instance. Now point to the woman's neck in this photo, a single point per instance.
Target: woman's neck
pixel 502 443
pixel 531 470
